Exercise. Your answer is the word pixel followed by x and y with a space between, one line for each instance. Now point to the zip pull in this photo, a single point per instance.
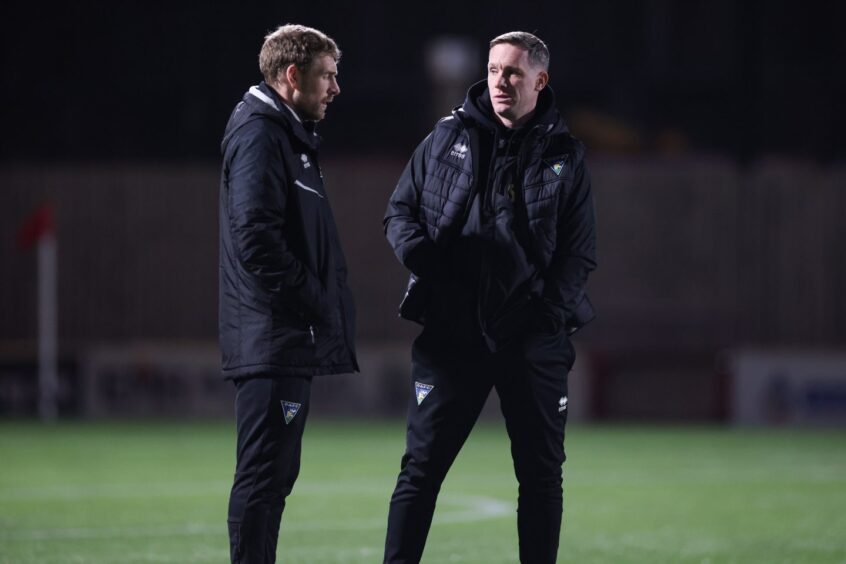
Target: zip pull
pixel 311 331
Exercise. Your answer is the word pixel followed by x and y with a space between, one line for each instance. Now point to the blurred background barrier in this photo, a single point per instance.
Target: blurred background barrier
pixel 788 387
pixel 698 256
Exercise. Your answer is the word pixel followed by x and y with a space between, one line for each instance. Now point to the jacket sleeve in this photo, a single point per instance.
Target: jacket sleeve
pixel 257 200
pixel 575 252
pixel 403 225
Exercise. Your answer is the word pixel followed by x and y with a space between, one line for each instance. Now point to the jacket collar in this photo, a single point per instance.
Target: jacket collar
pixel 265 100
pixel 478 109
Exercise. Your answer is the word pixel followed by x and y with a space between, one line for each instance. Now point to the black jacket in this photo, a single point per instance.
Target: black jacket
pixel 285 308
pixel 497 226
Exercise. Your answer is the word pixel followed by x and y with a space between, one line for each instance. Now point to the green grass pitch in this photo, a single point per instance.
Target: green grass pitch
pixel 157 492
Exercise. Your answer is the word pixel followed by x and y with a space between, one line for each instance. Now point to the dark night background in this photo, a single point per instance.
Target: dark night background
pixel 156 80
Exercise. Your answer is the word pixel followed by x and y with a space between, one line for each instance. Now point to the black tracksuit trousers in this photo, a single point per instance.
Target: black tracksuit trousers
pixel 531 381
pixel 270 414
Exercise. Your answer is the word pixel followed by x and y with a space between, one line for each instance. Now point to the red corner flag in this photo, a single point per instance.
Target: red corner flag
pixel 37 226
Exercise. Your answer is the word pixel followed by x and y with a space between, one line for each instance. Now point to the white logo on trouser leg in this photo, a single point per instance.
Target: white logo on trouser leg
pixel 562 404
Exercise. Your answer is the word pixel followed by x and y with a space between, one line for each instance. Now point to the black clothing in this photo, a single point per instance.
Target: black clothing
pixel 286 313
pixel 497 228
pixel 271 415
pixel 498 240
pixel 531 382
pixel 285 307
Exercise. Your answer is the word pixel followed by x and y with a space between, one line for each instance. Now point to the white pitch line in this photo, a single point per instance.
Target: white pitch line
pixel 74 492
pixel 471 509
pixel 80 533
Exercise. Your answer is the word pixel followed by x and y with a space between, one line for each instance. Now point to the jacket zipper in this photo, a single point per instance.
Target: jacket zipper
pixel 486 210
pixel 489 195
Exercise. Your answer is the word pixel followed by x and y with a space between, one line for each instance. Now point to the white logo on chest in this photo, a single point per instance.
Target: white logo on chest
pixel 304 158
pixel 459 151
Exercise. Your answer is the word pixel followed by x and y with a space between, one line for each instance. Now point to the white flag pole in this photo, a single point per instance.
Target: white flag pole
pixel 48 327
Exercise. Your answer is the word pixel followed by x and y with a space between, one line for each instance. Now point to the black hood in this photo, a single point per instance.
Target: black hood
pixel 262 102
pixel 477 108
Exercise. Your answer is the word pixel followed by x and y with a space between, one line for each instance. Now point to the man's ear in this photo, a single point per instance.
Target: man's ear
pixel 541 81
pixel 292 75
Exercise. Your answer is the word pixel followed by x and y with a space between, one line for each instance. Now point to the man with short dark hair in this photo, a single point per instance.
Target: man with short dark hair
pixel 494 218
pixel 286 313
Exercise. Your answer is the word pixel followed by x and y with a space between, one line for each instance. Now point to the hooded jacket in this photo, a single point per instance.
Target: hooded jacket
pixel 496 226
pixel 285 307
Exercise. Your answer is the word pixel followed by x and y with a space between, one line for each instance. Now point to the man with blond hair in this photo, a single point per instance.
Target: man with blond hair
pixel 494 218
pixel 286 312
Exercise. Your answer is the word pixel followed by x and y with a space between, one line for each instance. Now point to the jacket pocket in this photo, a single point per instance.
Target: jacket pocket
pixel 291 330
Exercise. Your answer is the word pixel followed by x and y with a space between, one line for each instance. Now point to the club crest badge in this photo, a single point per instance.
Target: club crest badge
pixel 558 167
pixel 290 410
pixel 562 404
pixel 422 390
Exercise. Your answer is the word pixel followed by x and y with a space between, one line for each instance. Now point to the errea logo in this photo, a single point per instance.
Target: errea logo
pixel 459 150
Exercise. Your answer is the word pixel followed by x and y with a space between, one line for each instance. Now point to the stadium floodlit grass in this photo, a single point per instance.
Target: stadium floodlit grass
pixel 157 492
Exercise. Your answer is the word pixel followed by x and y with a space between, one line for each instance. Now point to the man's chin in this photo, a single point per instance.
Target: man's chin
pixel 504 112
